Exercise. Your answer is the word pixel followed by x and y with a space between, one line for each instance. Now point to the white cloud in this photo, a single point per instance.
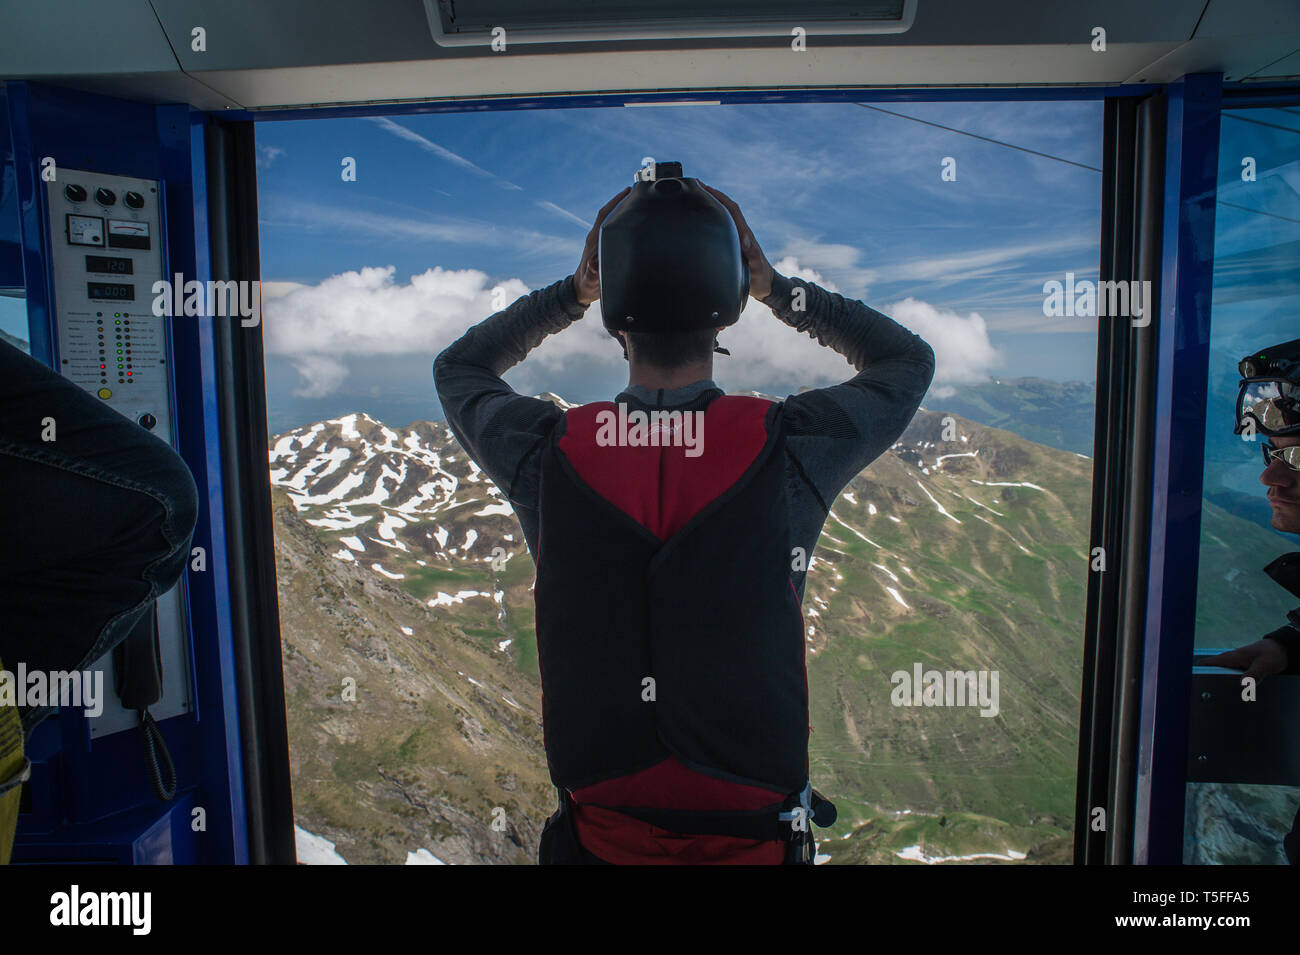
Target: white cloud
pixel 272 290
pixel 364 313
pixel 765 349
pixel 321 374
pixel 318 328
pixel 832 257
pixel 962 350
pixel 266 155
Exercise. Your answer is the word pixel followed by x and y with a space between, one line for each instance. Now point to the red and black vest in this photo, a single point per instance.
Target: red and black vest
pixel 656 565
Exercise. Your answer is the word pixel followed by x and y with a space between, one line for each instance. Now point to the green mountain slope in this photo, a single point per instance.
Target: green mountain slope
pixel 966 554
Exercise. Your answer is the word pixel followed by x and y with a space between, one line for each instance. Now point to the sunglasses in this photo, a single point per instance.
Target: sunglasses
pixel 1288 456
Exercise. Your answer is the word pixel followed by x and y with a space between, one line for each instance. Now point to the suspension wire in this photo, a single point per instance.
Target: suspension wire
pixel 986 139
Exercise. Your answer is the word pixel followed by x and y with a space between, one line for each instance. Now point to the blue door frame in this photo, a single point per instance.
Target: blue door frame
pixel 116 817
pixel 1183 351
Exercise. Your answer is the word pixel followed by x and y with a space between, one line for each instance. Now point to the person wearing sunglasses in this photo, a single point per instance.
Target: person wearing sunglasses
pixel 1268 406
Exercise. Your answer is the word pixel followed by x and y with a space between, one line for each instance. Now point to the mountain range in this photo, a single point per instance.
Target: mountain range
pixel 967 554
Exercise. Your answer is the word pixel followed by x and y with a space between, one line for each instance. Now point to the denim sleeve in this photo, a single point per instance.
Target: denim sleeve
pixel 500 429
pixel 835 432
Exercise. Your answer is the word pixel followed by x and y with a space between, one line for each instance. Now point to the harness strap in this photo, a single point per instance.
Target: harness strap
pixel 763 825
pixel 792 821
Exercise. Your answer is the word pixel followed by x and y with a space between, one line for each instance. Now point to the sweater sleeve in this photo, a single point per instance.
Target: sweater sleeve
pixel 1289 638
pixel 497 427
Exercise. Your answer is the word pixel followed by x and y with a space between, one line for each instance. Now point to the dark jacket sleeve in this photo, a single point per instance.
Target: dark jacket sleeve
pixel 1289 638
pixel 496 426
pixel 837 431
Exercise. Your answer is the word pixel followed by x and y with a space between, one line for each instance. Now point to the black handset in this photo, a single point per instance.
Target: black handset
pixel 137 676
pixel 137 664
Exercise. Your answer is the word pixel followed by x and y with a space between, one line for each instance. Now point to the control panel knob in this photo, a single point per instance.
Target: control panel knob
pixel 134 200
pixel 147 421
pixel 74 192
pixel 105 197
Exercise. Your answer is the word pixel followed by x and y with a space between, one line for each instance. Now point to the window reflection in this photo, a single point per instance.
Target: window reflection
pixel 1240 813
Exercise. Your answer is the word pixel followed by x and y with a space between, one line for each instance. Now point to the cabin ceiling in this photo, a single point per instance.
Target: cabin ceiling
pixel 262 55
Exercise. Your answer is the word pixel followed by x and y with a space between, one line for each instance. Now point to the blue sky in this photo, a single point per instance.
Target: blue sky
pixel 845 196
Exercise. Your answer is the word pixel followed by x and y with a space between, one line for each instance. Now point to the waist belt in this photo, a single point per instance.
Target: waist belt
pixel 793 820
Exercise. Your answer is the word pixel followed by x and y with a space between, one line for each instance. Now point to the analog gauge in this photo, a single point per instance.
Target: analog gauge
pixel 85 230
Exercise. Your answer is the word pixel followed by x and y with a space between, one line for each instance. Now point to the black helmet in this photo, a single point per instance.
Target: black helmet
pixel 1268 396
pixel 670 258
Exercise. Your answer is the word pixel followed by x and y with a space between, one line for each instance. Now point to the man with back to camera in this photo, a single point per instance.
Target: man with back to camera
pixel 1268 404
pixel 671 529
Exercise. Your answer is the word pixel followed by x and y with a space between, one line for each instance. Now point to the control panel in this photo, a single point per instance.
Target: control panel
pixel 106 255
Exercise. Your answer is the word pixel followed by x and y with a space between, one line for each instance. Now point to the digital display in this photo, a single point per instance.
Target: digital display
pixel 110 290
pixel 111 264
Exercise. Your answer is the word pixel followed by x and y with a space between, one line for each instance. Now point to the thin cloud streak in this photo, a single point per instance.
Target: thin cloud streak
pixel 442 152
pixel 298 213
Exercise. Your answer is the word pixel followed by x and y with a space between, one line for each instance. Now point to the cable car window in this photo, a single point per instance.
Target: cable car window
pixel 1244 776
pixel 954 562
pixel 13 319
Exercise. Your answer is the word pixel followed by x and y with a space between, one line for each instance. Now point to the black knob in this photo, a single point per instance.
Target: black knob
pixel 134 200
pixel 105 197
pixel 74 192
pixel 147 421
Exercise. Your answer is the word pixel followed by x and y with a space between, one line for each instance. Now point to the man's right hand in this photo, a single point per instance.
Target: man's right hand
pixel 1260 659
pixel 760 270
pixel 586 278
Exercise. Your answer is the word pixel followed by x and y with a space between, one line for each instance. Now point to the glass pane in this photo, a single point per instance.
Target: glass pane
pixel 13 319
pixel 1256 303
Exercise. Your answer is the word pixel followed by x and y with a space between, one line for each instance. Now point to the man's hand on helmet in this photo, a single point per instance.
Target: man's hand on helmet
pixel 586 279
pixel 760 270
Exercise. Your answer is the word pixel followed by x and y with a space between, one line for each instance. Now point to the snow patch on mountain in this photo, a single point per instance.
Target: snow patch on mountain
pixel 935 502
pixel 315 850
